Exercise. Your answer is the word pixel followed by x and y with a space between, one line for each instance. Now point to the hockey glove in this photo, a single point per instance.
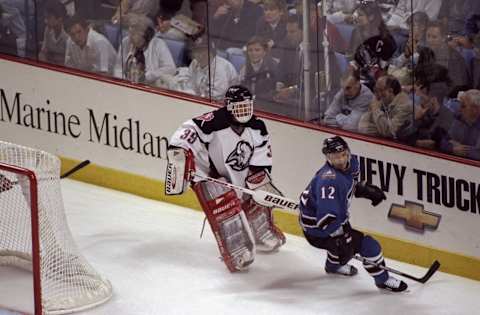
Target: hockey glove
pixel 5 183
pixel 342 246
pixel 372 192
pixel 180 169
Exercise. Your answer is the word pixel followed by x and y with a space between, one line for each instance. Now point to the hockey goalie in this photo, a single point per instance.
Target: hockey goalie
pixel 232 145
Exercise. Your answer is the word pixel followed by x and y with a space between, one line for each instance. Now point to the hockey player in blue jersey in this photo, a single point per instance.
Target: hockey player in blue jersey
pixel 324 216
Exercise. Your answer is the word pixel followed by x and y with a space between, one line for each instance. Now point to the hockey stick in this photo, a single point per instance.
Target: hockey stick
pixel 433 268
pixel 75 169
pixel 265 197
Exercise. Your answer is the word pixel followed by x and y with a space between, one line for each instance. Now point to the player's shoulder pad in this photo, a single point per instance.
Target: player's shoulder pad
pixel 212 121
pixel 257 124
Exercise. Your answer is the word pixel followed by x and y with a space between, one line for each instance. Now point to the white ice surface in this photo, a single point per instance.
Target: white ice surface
pixel 152 254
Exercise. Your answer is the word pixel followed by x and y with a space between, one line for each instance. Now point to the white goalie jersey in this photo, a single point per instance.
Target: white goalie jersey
pixel 219 151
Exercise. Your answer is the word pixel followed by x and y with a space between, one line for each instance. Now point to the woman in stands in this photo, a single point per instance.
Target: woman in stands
pixel 368 23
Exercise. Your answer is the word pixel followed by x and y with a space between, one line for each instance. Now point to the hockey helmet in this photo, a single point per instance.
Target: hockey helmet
pixel 334 144
pixel 337 152
pixel 239 102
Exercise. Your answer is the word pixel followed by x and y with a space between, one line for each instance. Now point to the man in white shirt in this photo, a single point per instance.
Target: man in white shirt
pixel 208 73
pixel 87 49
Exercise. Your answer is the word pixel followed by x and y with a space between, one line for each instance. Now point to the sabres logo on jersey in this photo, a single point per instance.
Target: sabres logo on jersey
pixel 239 159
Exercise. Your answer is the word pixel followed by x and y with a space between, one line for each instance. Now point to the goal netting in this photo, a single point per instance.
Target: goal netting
pixel 34 233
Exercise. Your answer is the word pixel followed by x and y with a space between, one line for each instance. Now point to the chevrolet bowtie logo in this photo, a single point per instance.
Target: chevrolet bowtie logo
pixel 414 216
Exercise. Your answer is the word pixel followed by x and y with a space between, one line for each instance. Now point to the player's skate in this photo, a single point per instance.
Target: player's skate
pixel 268 237
pixel 344 270
pixel 393 284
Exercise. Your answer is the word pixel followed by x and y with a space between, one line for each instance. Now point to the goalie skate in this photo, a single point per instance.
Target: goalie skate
pixel 268 237
pixel 228 223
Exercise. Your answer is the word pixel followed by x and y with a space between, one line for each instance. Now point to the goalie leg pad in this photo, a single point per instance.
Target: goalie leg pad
pixel 228 223
pixel 268 237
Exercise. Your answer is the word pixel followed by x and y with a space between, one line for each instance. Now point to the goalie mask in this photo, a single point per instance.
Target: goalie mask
pixel 337 152
pixel 239 102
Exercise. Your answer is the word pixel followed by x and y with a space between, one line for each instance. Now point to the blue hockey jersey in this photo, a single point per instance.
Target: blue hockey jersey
pixel 324 204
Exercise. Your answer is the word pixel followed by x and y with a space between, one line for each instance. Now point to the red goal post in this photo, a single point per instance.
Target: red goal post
pixel 34 233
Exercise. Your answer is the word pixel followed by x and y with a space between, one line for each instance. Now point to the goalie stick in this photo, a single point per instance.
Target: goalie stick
pixel 292 206
pixel 266 197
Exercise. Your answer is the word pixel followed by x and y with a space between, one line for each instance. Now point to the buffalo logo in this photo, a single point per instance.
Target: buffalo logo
pixel 239 159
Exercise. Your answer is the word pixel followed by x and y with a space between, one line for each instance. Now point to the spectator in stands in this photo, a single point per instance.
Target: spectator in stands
pixel 144 7
pixel 165 29
pixel 272 27
pixel 88 50
pixel 208 75
pixel 15 22
pixel 428 71
pixel 197 9
pixel 368 23
pixel 404 8
pixel 466 37
pixel 290 88
pixel 472 16
pixel 408 51
pixel 8 40
pixel 446 55
pixel 387 7
pixel 260 72
pixel 349 104
pixel 463 137
pixel 390 109
pixel 54 38
pixel 452 15
pixel 289 52
pixel 401 66
pixel 143 57
pixel 340 10
pixel 234 22
pixel 431 117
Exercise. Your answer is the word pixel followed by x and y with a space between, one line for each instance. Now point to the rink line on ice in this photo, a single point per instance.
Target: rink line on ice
pixel 397 249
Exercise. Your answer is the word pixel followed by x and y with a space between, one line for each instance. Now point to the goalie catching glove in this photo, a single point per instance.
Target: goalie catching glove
pixel 372 192
pixel 180 170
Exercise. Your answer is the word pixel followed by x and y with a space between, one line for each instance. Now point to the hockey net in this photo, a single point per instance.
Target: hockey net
pixel 34 234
